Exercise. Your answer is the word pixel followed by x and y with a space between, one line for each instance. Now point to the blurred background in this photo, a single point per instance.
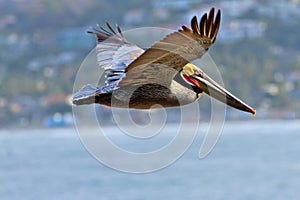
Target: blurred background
pixel 43 43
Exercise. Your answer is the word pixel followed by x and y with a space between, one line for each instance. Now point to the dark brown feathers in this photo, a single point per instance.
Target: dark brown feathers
pixel 194 25
pixel 208 26
pixel 183 46
pixel 103 34
pixel 163 59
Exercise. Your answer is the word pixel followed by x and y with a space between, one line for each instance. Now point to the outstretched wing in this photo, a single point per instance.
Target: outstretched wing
pixel 174 51
pixel 114 54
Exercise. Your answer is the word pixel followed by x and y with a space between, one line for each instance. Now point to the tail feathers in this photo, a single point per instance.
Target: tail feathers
pixel 85 96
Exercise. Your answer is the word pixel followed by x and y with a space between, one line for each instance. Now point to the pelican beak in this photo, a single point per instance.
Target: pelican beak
pixel 213 89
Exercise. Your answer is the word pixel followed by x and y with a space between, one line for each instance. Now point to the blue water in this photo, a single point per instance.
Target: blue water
pixel 252 160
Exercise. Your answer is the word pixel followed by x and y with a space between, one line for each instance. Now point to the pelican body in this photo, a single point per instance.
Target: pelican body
pixel 143 97
pixel 162 74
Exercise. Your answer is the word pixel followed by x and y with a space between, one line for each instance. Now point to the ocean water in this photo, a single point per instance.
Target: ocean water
pixel 252 160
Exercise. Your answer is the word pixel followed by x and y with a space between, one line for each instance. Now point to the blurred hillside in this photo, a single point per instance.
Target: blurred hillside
pixel 43 43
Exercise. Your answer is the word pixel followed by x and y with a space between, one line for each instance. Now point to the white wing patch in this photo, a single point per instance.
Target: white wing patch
pixel 114 54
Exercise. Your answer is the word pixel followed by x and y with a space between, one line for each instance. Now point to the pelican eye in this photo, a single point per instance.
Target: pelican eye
pixel 198 73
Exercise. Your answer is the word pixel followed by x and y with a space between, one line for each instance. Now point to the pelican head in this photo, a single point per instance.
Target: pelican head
pixel 198 79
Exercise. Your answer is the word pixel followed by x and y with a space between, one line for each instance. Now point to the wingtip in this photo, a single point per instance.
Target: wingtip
pixel 216 25
pixel 209 24
pixel 212 12
pixel 218 16
pixel 194 18
pixel 110 28
pixel 202 23
pixel 194 25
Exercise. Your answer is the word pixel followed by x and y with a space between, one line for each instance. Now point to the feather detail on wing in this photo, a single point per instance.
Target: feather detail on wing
pixel 175 50
pixel 114 53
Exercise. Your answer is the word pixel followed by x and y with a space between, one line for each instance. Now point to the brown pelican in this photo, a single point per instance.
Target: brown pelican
pixel 162 74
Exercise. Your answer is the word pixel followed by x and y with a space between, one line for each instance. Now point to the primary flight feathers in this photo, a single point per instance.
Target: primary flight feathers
pixel 137 78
